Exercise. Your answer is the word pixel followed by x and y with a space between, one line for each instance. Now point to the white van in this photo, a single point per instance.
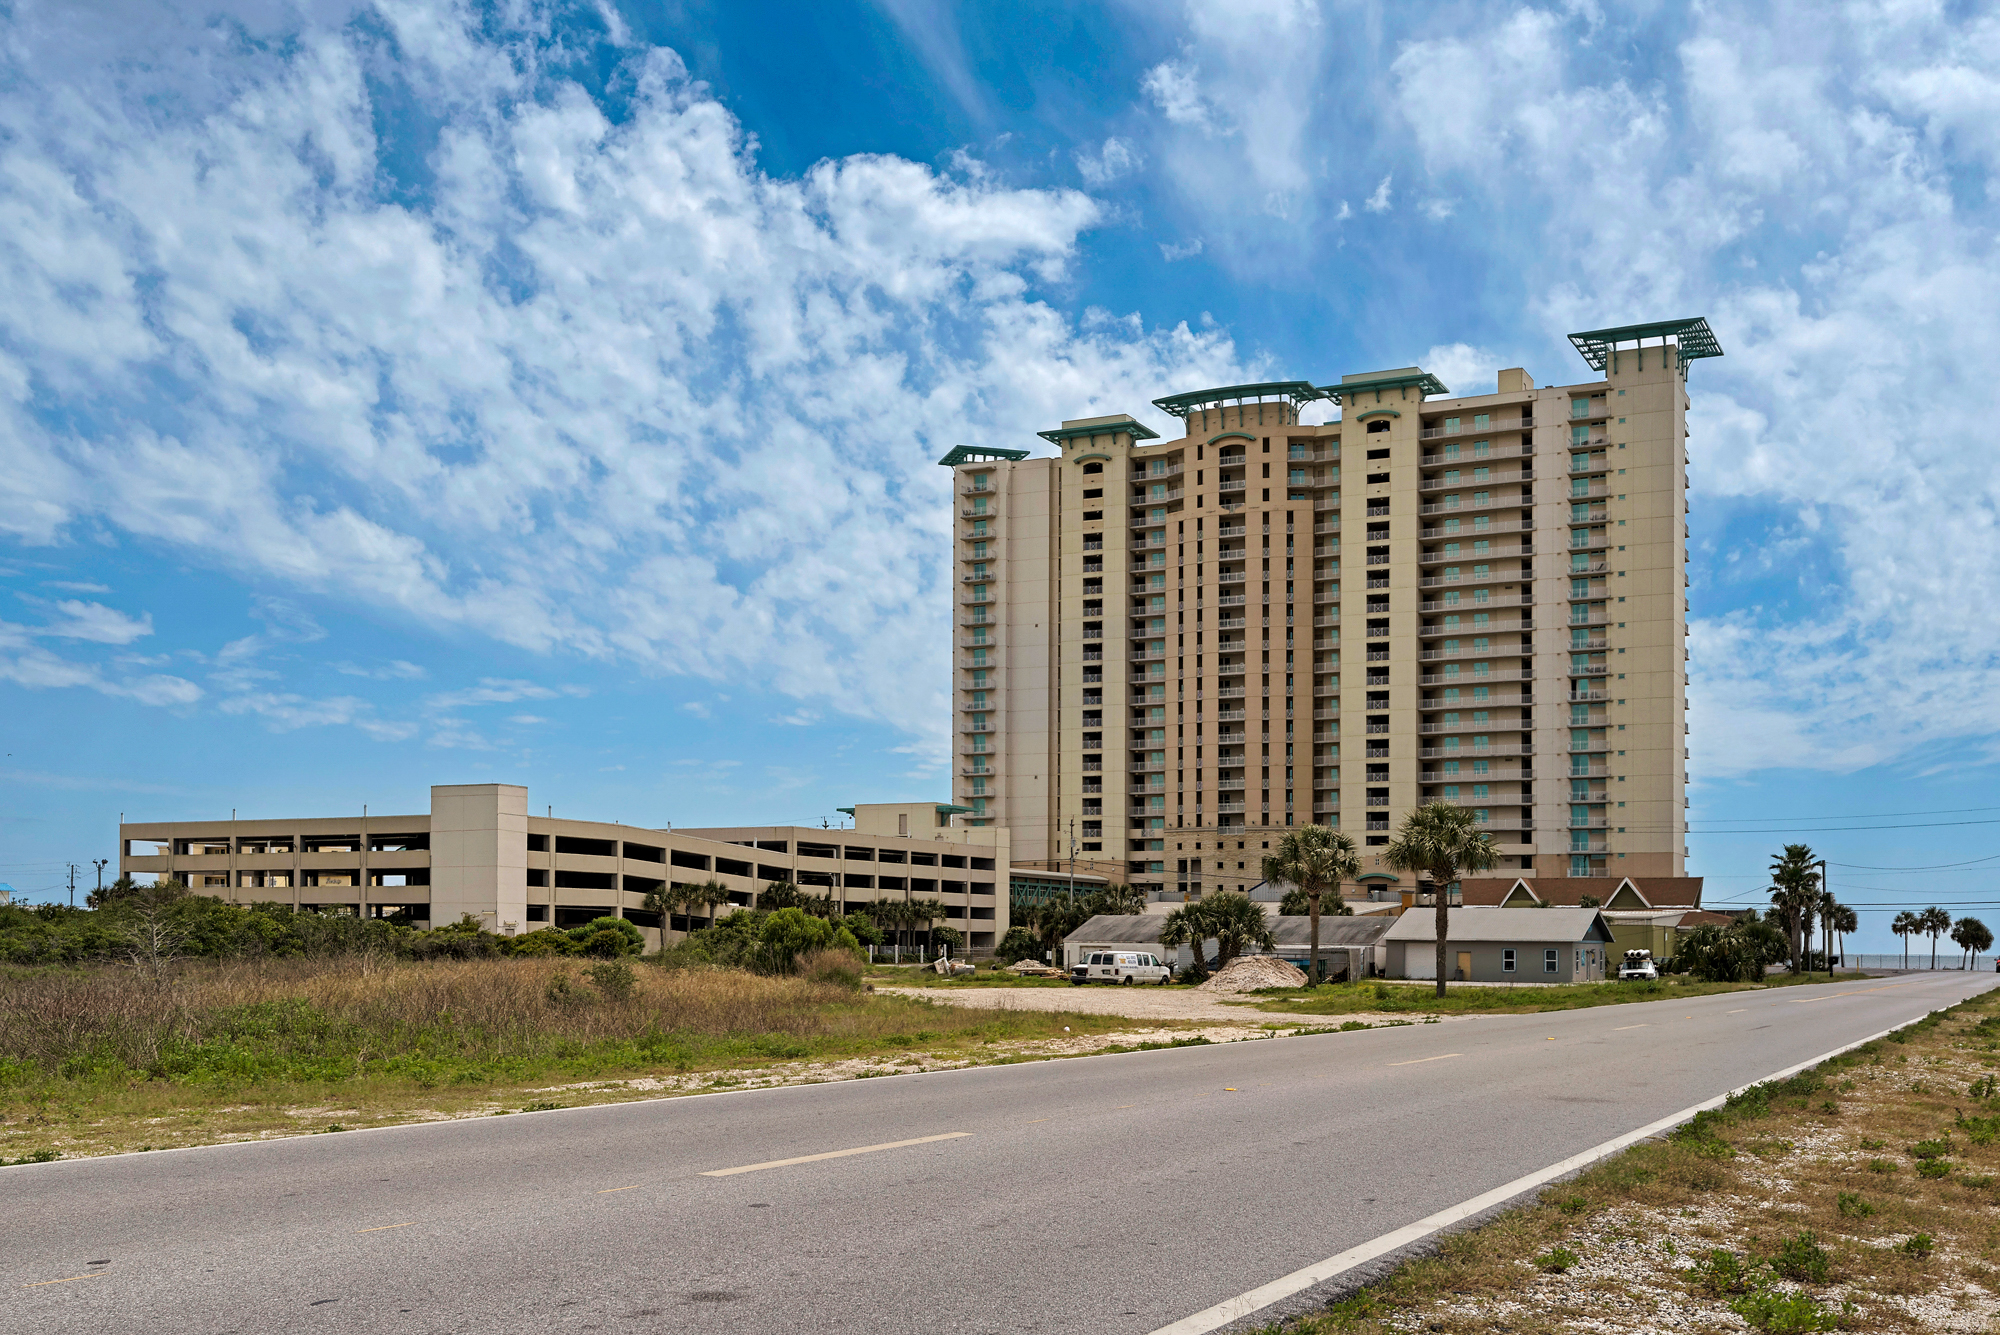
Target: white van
pixel 1125 967
pixel 1638 967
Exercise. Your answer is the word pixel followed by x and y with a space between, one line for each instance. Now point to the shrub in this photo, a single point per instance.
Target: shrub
pixel 1851 1206
pixel 1573 1204
pixel 546 941
pixel 1722 1272
pixel 789 933
pixel 1801 1258
pixel 1019 944
pixel 1788 1313
pixel 836 965
pixel 614 978
pixel 1919 1245
pixel 608 938
pixel 1934 1168
pixel 1931 1149
pixel 39 1156
pixel 1557 1259
pixel 1881 1166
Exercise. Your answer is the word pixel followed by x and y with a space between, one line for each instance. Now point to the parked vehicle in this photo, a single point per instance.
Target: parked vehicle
pixel 1127 968
pixel 1638 967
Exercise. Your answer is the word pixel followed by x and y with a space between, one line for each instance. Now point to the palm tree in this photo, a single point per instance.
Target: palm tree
pixel 1316 859
pixel 667 899
pixel 708 894
pixel 1845 923
pixel 1440 840
pixel 1906 925
pixel 1795 895
pixel 1934 922
pixel 1117 899
pixel 1054 920
pixel 1232 919
pixel 1971 936
pixel 1186 926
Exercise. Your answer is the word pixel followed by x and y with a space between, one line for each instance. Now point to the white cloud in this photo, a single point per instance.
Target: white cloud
pixel 495 691
pixel 75 586
pixel 1114 159
pixel 1466 369
pixel 1180 251
pixel 396 669
pixel 593 387
pixel 1379 201
pixel 286 712
pixel 698 709
pixel 1810 203
pixel 1175 88
pixel 29 665
pixel 97 623
pixel 1437 210
pixel 526 720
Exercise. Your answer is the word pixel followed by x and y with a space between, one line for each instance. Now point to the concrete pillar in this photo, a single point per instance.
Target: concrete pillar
pixel 479 855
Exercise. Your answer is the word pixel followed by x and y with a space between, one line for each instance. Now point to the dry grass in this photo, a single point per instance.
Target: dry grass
pixel 95 1059
pixel 1702 1232
pixel 1398 997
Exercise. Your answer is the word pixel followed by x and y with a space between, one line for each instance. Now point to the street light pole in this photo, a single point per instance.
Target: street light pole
pixel 1825 925
pixel 100 863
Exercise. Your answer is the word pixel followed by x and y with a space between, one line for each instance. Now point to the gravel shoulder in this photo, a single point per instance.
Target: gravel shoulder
pixel 1138 1003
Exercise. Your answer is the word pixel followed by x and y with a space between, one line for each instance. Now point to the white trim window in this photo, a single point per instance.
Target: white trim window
pixel 1507 961
pixel 1550 959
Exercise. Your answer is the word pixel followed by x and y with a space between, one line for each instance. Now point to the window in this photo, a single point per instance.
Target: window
pixel 1507 961
pixel 1579 407
pixel 1549 961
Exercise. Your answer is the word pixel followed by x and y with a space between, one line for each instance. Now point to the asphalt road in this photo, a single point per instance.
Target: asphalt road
pixel 1104 1194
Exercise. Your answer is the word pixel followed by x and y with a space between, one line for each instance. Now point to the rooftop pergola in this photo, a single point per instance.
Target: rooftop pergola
pixel 1297 392
pixel 1691 338
pixel 1350 387
pixel 981 454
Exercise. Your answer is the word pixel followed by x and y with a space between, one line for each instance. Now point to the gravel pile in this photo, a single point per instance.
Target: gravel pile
pixel 1033 969
pixel 1249 973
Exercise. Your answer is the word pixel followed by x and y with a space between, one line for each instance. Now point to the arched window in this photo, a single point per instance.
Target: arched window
pixel 1093 468
pixel 1379 424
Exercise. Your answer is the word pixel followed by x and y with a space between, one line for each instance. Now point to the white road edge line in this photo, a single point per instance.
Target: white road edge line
pixel 1419 1061
pixel 1298 1281
pixel 831 1154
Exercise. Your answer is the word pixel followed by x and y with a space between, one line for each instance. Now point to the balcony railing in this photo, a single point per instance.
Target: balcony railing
pixel 1506 527
pixel 1589 568
pixel 1147 497
pixel 1231 577
pixel 1576 771
pixel 1230 715
pixel 1582 542
pixel 1475 678
pixel 1455 604
pixel 1478 628
pixel 1510 552
pixel 968 642
pixel 1230 600
pixel 1591 646
pixel 1508 424
pixel 1490 653
pixel 1577 748
pixel 1326 715
pixel 1579 617
pixel 1238 531
pixel 1230 484
pixel 1477 702
pixel 972 490
pixel 1461 484
pixel 982 512
pixel 1464 752
pixel 1433 728
pixel 1147 474
pixel 1326 526
pixel 1584 697
pixel 1471 506
pixel 1485 776
pixel 1523 450
pixel 1589 846
pixel 1588 491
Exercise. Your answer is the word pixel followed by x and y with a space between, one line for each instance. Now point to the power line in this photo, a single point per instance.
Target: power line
pixel 1940 866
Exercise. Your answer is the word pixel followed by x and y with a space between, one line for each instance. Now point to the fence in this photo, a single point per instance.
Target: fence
pixel 1951 961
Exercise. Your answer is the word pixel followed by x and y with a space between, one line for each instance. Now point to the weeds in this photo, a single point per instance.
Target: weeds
pixel 1801 1258
pixel 1556 1260
pixel 1851 1206
pixel 1919 1245
pixel 1788 1313
pixel 39 1156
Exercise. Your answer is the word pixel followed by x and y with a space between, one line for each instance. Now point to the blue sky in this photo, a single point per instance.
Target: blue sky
pixel 410 393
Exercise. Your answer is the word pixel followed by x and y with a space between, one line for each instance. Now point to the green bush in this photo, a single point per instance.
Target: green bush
pixel 1801 1258
pixel 1723 1272
pixel 1851 1206
pixel 838 965
pixel 607 938
pixel 1557 1259
pixel 789 933
pixel 1919 1245
pixel 614 978
pixel 1788 1313
pixel 1019 944
pixel 1934 1168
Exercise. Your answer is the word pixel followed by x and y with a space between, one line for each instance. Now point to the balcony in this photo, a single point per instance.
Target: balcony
pixel 1158 544
pixel 1583 542
pixel 979 770
pixel 1433 728
pixel 1471 506
pixel 1593 670
pixel 1228 808
pixel 1484 776
pixel 1147 767
pixel 1159 470
pixel 1593 646
pixel 1475 678
pixel 1229 484
pixel 1148 654
pixel 974 490
pixel 1229 785
pixel 1474 702
pixel 1576 771
pixel 1497 527
pixel 1588 491
pixel 1148 497
pixel 1326 526
pixel 1326 715
pixel 1585 697
pixel 1588 823
pixel 1579 616
pixel 1600 463
pixel 1589 846
pixel 970 642
pixel 976 512
pixel 1231 715
pixel 1460 484
pixel 1327 622
pixel 1229 692
pixel 1232 623
pixel 1477 628
pixel 1596 440
pixel 1505 424
pixel 1576 748
pixel 1454 604
pixel 1231 577
pixel 1473 752
pixel 1523 551
pixel 1230 600
pixel 1523 450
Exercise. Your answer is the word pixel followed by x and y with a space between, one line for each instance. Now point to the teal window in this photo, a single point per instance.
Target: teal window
pixel 1451 792
pixel 1451 424
pixel 1482 421
pixel 1579 407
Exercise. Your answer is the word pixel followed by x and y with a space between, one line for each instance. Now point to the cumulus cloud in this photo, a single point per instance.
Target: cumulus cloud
pixel 396 316
pixel 1171 251
pixel 77 620
pixel 1809 201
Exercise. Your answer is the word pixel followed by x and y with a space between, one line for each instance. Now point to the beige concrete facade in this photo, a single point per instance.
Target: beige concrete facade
pixel 480 851
pixel 1169 650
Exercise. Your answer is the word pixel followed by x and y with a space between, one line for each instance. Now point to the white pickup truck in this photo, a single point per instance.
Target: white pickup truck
pixel 1638 967
pixel 1126 968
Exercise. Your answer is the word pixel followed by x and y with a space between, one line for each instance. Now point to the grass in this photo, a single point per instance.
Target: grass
pixel 1388 997
pixel 1800 1205
pixel 94 1060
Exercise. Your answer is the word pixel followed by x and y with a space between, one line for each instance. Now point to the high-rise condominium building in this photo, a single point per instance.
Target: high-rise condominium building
pixel 1169 650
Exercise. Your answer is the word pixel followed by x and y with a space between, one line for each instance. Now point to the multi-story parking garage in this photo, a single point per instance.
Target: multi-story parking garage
pixel 479 851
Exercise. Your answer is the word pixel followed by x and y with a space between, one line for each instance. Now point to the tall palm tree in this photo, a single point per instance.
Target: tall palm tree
pixel 1935 923
pixel 1972 937
pixel 708 894
pixel 1316 859
pixel 1237 923
pixel 1441 840
pixel 1187 926
pixel 1795 895
pixel 667 899
pixel 1845 923
pixel 1906 926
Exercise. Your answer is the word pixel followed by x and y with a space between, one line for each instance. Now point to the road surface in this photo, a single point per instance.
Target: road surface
pixel 1103 1194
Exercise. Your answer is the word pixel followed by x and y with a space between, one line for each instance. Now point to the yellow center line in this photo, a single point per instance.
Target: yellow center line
pixel 1032 1120
pixel 833 1154
pixel 1418 1061
pixel 1125 1105
pixel 381 1228
pixel 44 1283
pixel 1623 1027
pixel 1738 1011
pixel 608 1190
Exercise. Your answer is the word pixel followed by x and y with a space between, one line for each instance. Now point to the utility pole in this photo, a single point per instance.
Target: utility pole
pixel 1826 918
pixel 100 864
pixel 72 885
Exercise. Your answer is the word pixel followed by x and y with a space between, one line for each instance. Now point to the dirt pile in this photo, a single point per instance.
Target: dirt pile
pixel 1033 969
pixel 1249 973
